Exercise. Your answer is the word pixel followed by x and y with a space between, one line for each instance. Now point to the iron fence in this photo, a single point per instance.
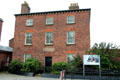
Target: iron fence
pixel 93 74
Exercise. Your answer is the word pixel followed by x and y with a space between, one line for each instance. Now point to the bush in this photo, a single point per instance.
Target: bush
pixel 59 66
pixel 15 66
pixel 75 64
pixel 106 52
pixel 31 65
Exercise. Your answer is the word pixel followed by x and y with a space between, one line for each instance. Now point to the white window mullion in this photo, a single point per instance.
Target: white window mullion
pixel 28 39
pixel 29 22
pixel 71 37
pixel 49 38
pixel 49 20
pixel 70 19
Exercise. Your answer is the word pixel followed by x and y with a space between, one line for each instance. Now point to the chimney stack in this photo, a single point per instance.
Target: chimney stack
pixel 73 6
pixel 25 8
pixel 1 21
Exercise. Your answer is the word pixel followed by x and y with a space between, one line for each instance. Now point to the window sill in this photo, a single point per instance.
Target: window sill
pixel 28 44
pixel 70 44
pixel 48 44
pixel 48 24
pixel 29 25
pixel 70 23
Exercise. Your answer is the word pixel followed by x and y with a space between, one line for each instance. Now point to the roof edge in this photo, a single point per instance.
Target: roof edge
pixel 53 12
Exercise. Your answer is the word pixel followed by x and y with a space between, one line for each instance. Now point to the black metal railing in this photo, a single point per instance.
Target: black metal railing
pixel 93 74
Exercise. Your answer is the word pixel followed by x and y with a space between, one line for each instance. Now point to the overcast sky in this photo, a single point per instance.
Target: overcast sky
pixel 104 24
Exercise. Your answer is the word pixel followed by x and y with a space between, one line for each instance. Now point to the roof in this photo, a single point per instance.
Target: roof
pixel 53 12
pixel 6 49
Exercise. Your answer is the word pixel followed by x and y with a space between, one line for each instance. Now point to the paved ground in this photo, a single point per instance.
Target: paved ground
pixel 7 76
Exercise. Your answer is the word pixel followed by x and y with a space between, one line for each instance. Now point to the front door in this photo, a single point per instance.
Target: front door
pixel 48 64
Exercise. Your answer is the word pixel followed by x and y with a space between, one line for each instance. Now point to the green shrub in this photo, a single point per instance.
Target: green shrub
pixel 55 72
pixel 31 65
pixel 59 66
pixel 75 64
pixel 15 66
pixel 106 52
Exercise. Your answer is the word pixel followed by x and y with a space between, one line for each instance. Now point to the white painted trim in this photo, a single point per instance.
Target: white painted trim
pixel 46 40
pixel 49 23
pixel 70 22
pixel 67 38
pixel 29 20
pixel 26 37
pixel 67 57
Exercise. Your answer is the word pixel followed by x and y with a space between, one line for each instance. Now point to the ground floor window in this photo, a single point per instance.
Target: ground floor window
pixel 70 57
pixel 26 56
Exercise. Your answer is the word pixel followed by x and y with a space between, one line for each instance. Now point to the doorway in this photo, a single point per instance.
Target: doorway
pixel 48 64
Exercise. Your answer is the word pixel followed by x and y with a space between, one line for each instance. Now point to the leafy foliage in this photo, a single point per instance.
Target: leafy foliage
pixel 75 64
pixel 31 65
pixel 106 52
pixel 15 66
pixel 59 66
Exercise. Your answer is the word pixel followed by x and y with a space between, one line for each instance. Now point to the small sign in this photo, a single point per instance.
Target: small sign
pixel 91 59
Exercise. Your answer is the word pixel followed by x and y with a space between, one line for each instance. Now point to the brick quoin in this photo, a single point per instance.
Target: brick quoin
pixel 81 27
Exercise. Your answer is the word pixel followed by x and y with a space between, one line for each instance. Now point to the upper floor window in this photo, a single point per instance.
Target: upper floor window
pixel 49 20
pixel 70 57
pixel 70 19
pixel 29 22
pixel 71 37
pixel 26 56
pixel 49 38
pixel 28 39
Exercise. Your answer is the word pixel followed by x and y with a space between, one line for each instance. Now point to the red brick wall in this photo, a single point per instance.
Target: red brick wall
pixel 59 29
pixel 3 56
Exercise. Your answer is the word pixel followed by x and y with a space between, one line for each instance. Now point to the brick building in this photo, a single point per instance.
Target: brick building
pixel 53 36
pixel 5 52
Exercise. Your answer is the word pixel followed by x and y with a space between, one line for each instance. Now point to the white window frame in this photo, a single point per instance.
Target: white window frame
pixel 46 38
pixel 29 22
pixel 67 57
pixel 70 21
pixel 26 38
pixel 27 57
pixel 67 38
pixel 49 20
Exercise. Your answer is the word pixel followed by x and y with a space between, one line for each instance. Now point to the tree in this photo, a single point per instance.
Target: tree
pixel 75 64
pixel 106 52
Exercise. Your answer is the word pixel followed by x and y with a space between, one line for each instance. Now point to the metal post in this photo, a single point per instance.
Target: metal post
pixel 83 70
pixel 99 71
pixel 99 68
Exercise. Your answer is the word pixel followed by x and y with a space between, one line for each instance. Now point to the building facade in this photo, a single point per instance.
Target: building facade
pixel 5 52
pixel 54 36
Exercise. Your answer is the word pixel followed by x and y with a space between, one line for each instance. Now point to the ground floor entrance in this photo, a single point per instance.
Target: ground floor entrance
pixel 48 64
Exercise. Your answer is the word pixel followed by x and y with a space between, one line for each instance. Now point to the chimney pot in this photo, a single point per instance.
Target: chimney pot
pixel 25 8
pixel 73 6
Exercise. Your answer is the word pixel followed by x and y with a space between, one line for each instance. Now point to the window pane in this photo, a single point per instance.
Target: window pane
pixel 28 38
pixel 49 20
pixel 49 38
pixel 71 19
pixel 29 22
pixel 70 57
pixel 26 56
pixel 70 37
